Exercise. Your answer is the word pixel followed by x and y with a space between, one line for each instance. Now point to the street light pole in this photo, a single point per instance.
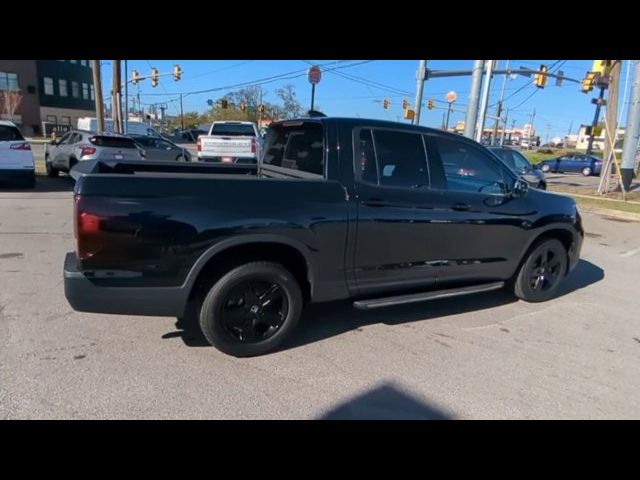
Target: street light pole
pixel 632 134
pixel 126 97
pixel 474 96
pixel 485 100
pixel 494 140
pixel 422 70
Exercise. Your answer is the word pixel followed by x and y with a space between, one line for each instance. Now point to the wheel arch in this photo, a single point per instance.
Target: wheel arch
pixel 232 252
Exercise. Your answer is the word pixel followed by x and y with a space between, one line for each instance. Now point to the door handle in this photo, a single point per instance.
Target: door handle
pixel 376 202
pixel 461 207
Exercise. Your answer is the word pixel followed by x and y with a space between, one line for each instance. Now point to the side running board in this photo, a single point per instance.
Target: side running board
pixel 424 296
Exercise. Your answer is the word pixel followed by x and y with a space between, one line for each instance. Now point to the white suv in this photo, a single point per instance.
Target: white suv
pixel 16 159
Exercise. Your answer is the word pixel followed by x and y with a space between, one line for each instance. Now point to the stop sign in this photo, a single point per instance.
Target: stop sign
pixel 314 74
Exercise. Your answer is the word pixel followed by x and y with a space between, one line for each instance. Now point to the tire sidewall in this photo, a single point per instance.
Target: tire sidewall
pixel 522 288
pixel 211 321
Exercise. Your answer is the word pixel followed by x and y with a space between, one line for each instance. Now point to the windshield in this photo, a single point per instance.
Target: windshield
pixel 233 129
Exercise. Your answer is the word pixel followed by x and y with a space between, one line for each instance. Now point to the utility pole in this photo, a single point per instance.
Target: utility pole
pixel 97 92
pixel 548 130
pixel 632 134
pixel 533 118
pixel 611 117
pixel 568 134
pixel 422 70
pixel 181 113
pixel 485 100
pixel 499 107
pixel 115 97
pixel 474 97
pixel 504 127
pixel 126 97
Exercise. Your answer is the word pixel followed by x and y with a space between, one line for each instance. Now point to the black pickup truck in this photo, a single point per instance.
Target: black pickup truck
pixel 378 212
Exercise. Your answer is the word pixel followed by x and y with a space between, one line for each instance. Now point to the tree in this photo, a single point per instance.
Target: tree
pixel 191 120
pixel 291 107
pixel 9 102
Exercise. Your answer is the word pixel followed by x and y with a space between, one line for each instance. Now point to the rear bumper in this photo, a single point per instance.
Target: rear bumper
pixel 20 176
pixel 84 295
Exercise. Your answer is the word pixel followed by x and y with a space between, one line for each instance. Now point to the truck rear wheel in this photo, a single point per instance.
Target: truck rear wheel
pixel 251 309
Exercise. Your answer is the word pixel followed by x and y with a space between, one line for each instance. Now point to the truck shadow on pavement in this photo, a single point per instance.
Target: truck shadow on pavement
pixel 322 321
pixel 385 402
pixel 44 184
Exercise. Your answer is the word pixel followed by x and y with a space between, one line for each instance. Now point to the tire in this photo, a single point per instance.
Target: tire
pixel 545 168
pixel 181 158
pixel 51 172
pixel 72 163
pixel 535 285
pixel 586 171
pixel 241 321
pixel 542 186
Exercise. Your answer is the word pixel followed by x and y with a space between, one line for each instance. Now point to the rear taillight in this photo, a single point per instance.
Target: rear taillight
pixel 86 227
pixel 20 146
pixel 199 143
pixel 253 145
pixel 87 151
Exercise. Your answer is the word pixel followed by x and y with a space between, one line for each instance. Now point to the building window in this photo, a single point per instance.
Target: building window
pixel 73 61
pixel 52 119
pixel 75 89
pixel 8 81
pixel 65 120
pixel 85 91
pixel 62 87
pixel 90 64
pixel 48 86
pixel 91 91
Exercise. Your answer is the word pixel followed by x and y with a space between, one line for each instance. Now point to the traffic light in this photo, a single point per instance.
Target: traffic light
pixel 243 107
pixel 540 79
pixel 262 108
pixel 154 77
pixel 135 77
pixel 431 104
pixel 588 82
pixel 405 104
pixel 386 104
pixel 177 72
pixel 224 103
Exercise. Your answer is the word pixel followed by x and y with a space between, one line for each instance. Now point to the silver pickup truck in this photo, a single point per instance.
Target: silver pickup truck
pixel 230 142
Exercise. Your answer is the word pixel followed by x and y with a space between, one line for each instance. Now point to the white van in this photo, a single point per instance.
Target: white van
pixel 133 128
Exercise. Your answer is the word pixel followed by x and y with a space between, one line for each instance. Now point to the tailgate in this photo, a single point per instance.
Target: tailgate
pixel 227 146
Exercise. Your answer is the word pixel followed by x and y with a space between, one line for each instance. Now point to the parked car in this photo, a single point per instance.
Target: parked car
pixel 161 149
pixel 17 165
pixel 230 142
pixel 340 209
pixel 525 144
pixel 187 136
pixel 522 166
pixel 75 146
pixel 586 164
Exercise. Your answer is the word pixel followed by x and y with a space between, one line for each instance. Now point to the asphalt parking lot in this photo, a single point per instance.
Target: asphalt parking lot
pixel 480 357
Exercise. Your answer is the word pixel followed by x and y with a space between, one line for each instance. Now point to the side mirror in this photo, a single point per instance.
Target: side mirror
pixel 520 188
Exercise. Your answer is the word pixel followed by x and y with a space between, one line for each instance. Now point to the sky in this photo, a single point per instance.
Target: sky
pixel 358 87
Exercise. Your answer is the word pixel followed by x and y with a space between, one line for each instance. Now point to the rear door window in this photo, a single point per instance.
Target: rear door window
pixel 401 159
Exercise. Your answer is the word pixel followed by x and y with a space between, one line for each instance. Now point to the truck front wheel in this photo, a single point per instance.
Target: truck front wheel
pixel 251 309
